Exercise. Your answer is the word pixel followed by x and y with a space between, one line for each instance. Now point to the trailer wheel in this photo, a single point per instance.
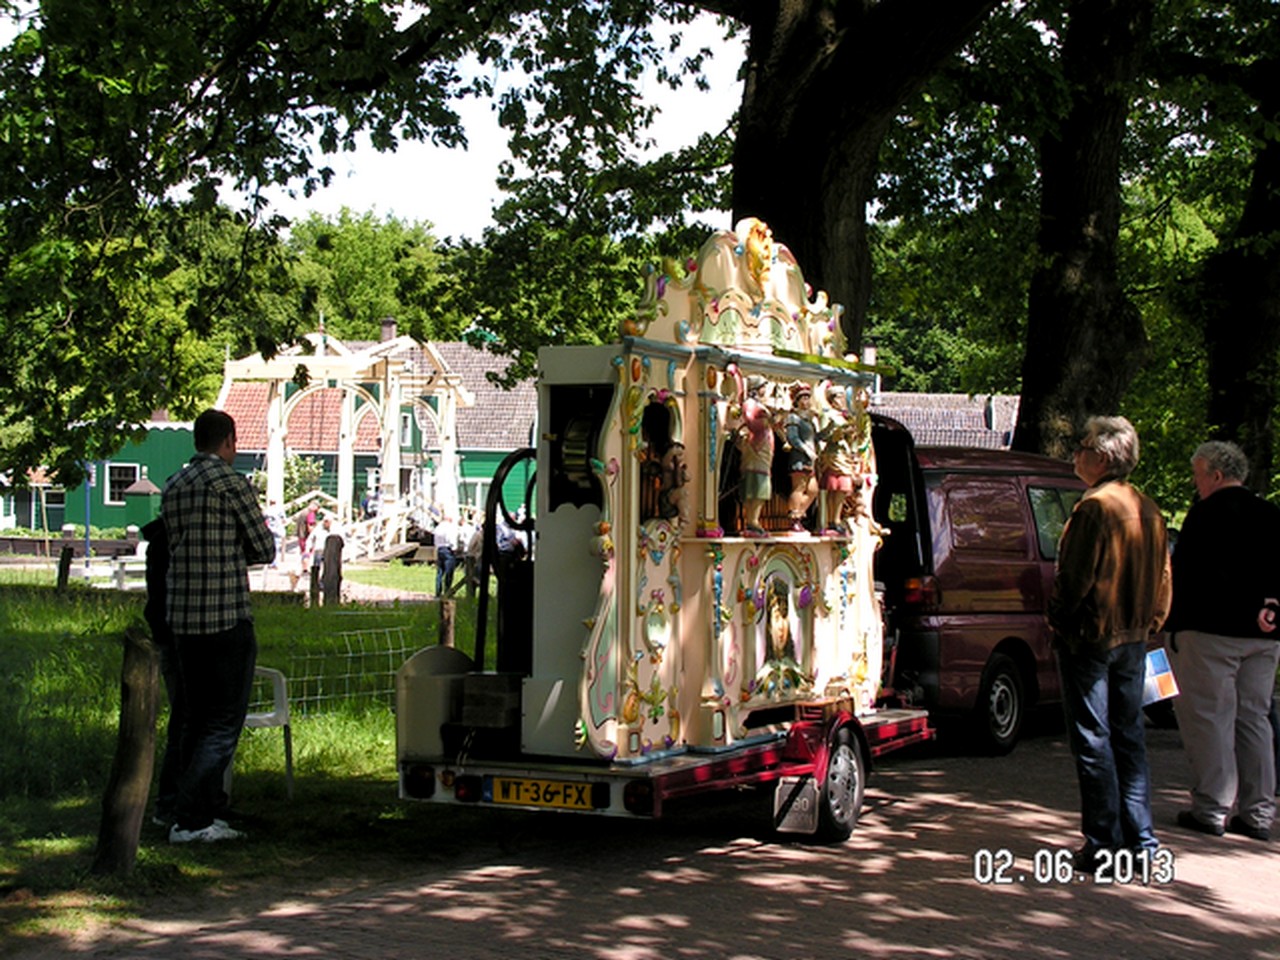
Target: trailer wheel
pixel 840 800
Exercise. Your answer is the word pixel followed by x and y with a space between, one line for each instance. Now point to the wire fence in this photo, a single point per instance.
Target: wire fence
pixel 353 669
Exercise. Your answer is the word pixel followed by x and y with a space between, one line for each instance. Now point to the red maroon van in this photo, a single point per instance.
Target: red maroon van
pixel 966 569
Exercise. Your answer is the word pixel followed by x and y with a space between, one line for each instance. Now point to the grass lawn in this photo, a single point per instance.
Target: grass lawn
pixel 342 830
pixel 415 578
pixel 60 656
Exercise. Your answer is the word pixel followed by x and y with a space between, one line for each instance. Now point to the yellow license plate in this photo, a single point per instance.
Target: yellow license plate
pixel 561 794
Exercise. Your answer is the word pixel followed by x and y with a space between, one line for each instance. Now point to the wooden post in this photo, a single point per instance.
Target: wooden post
pixel 125 801
pixel 447 611
pixel 65 556
pixel 315 586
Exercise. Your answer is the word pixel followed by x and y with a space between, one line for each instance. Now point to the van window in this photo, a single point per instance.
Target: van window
pixel 898 507
pixel 1051 506
pixel 986 517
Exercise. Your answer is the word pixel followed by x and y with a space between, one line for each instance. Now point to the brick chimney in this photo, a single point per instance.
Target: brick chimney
pixel 388 328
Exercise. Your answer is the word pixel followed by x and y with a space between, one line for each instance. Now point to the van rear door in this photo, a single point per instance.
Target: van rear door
pixel 905 557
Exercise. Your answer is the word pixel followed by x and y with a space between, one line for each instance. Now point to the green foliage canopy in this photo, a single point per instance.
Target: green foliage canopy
pixel 123 127
pixel 960 191
pixel 354 270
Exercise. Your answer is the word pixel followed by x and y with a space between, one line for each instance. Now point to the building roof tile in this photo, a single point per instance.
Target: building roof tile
pixel 953 419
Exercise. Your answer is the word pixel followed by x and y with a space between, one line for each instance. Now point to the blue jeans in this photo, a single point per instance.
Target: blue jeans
pixel 446 564
pixel 1102 699
pixel 217 681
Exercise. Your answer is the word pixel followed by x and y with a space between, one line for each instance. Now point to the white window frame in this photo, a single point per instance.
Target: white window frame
pixel 477 485
pixel 111 466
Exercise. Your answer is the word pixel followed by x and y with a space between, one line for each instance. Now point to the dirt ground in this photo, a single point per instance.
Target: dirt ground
pixel 917 879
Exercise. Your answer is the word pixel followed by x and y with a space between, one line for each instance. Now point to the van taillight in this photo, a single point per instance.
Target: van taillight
pixel 920 590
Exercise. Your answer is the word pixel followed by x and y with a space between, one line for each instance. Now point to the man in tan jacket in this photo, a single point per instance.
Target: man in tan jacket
pixel 1111 591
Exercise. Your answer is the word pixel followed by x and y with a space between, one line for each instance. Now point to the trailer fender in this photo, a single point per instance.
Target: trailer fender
pixel 823 796
pixel 843 782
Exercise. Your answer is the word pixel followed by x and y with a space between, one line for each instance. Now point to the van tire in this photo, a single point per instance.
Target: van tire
pixel 843 784
pixel 1002 705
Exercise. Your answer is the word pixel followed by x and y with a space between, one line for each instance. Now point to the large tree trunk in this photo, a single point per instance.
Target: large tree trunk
pixel 824 82
pixel 1085 339
pixel 1241 312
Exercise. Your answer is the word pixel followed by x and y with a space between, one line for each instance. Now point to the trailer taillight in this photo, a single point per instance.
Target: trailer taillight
pixel 468 789
pixel 419 780
pixel 637 797
pixel 921 591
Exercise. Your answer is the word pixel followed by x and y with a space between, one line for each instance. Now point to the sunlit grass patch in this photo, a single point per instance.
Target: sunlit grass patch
pixel 60 660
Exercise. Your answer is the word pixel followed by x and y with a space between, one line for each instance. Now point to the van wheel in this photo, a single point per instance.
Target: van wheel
pixel 840 801
pixel 1002 705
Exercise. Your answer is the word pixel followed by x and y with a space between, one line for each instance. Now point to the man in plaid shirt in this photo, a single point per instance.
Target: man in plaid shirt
pixel 215 531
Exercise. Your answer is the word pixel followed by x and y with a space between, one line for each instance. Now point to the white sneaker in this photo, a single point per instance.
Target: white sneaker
pixel 218 830
pixel 168 821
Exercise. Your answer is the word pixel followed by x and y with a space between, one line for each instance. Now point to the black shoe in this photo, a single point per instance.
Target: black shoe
pixel 1085 860
pixel 1238 824
pixel 1190 821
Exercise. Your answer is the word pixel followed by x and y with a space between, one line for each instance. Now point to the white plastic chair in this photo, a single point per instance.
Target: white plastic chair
pixel 277 716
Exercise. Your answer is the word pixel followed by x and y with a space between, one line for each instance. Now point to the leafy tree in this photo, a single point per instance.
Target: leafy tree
pixel 119 119
pixel 1162 241
pixel 823 84
pixel 954 241
pixel 962 180
pixel 947 311
pixel 539 286
pixel 122 124
pixel 130 334
pixel 1222 63
pixel 1085 337
pixel 301 476
pixel 355 270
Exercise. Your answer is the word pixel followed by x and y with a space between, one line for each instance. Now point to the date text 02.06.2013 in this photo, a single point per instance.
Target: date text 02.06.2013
pixel 1050 865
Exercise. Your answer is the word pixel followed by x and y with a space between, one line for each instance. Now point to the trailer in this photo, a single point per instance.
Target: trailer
pixel 697 608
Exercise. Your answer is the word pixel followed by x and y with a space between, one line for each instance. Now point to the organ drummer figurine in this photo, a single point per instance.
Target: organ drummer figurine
pixel 802 444
pixel 836 460
pixel 755 444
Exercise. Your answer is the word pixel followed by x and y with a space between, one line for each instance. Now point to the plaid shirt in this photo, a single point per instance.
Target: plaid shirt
pixel 216 529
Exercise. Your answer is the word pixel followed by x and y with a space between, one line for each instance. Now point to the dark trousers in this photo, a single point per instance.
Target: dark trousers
pixel 1102 699
pixel 216 681
pixel 171 763
pixel 1274 717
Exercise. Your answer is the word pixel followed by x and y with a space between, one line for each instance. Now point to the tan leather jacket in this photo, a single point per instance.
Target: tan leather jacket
pixel 1112 583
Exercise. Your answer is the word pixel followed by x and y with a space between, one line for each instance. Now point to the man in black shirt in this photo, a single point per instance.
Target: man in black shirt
pixel 1224 628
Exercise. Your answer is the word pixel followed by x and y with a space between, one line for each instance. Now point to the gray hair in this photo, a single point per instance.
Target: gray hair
pixel 1224 456
pixel 1116 441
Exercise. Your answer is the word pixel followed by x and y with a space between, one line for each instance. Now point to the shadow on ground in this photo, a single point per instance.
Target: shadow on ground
pixel 710 881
